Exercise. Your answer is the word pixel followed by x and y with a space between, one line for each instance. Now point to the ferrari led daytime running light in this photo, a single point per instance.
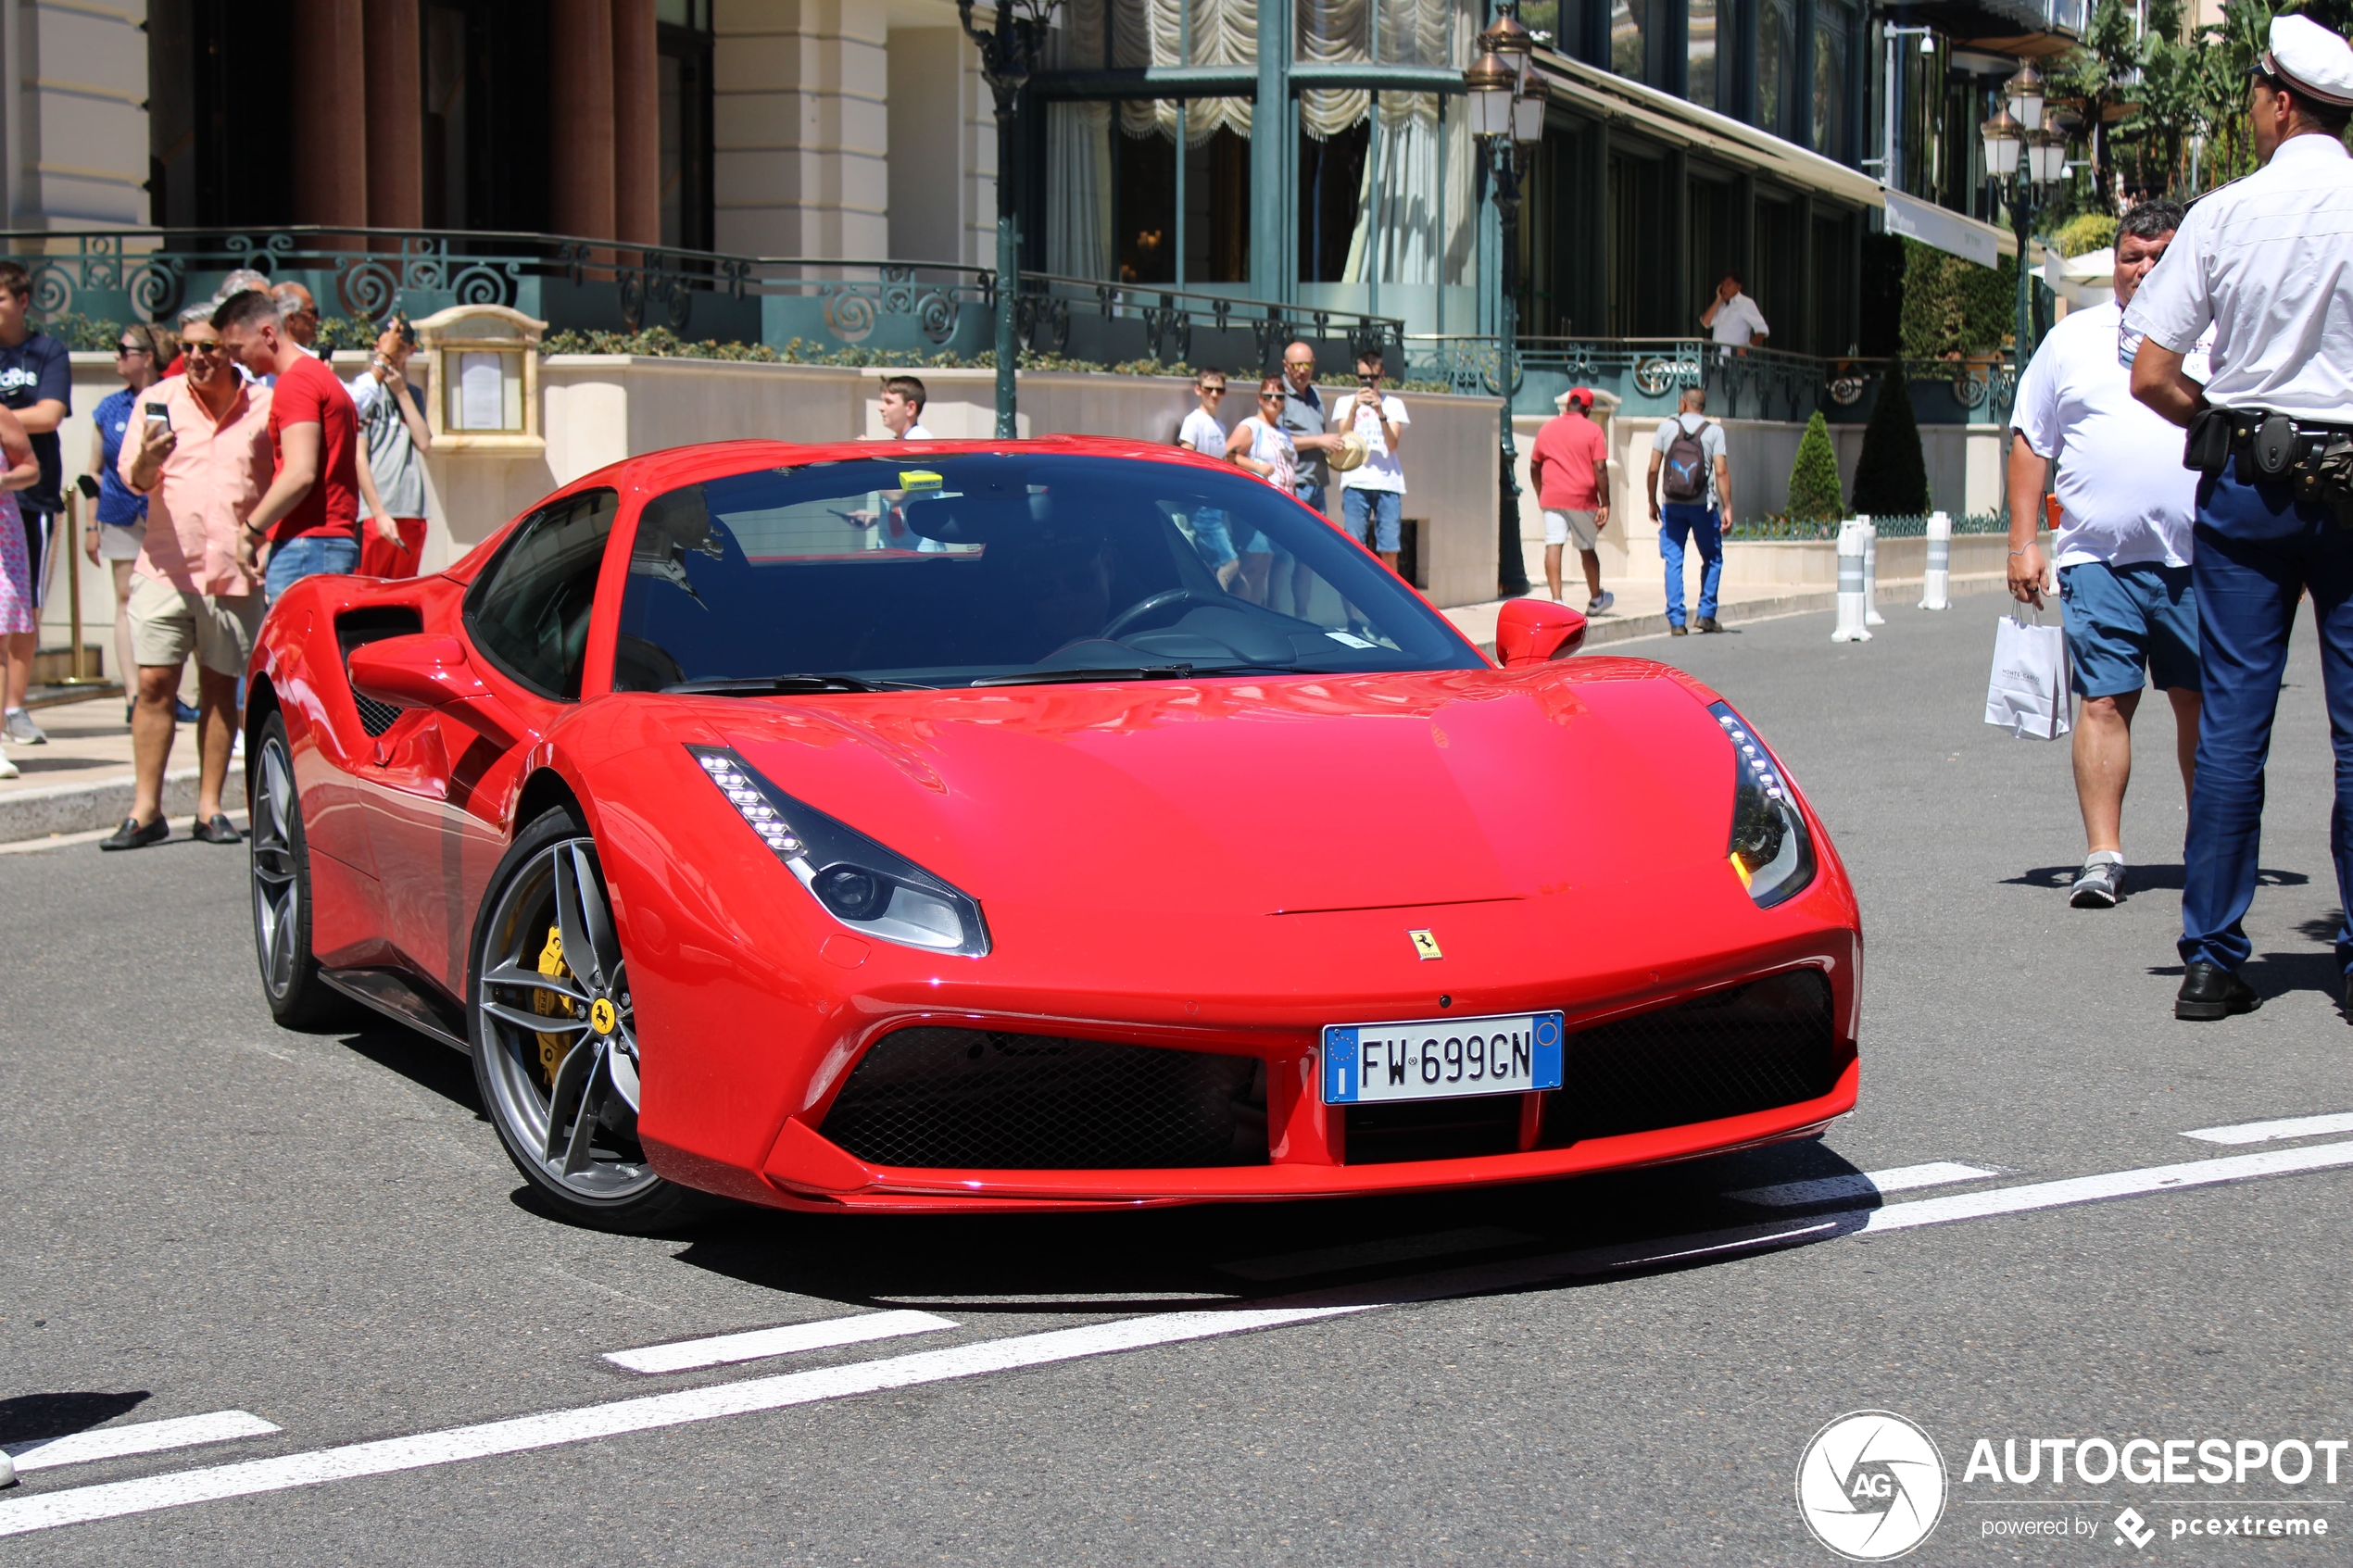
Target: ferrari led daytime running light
pixel 1772 851
pixel 868 887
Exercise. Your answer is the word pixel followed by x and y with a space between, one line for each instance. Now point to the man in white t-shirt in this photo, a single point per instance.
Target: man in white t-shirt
pixel 1212 533
pixel 2126 512
pixel 902 410
pixel 902 407
pixel 1373 493
pixel 1733 318
pixel 1690 485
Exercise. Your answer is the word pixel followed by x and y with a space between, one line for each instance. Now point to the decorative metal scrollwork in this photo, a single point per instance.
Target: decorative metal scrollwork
pixel 1655 375
pixel 848 311
pixel 1037 315
pixel 1845 386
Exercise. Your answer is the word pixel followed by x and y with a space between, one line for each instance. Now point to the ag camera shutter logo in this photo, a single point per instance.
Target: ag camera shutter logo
pixel 1871 1485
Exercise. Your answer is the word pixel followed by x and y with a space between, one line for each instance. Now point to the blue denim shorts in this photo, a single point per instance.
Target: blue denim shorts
pixel 308 555
pixel 1213 539
pixel 1373 517
pixel 2128 624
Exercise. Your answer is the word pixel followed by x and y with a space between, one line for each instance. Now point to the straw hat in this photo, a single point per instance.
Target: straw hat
pixel 1350 453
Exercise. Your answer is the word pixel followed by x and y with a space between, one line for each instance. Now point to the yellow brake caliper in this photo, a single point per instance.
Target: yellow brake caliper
pixel 553 1048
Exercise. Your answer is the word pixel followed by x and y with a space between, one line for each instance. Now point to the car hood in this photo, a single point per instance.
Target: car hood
pixel 1288 794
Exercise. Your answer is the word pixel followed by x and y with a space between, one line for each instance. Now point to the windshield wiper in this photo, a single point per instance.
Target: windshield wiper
pixel 1137 672
pixel 767 685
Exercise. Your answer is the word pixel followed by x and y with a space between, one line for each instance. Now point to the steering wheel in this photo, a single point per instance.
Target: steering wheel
pixel 1144 607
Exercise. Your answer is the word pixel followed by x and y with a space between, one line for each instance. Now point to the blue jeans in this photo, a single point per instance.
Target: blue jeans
pixel 1679 521
pixel 2258 551
pixel 1373 517
pixel 308 555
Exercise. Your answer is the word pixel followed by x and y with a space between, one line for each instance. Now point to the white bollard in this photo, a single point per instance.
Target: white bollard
pixel 1852 604
pixel 1936 585
pixel 1872 617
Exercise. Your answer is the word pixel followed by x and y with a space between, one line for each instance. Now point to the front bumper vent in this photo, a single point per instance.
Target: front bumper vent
pixel 991 1100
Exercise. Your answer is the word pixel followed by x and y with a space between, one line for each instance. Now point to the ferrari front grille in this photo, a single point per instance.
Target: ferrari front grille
pixel 1756 1047
pixel 986 1099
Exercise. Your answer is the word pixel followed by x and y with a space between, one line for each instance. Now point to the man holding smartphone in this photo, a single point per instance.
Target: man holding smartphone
pixel 200 451
pixel 1373 494
pixel 395 438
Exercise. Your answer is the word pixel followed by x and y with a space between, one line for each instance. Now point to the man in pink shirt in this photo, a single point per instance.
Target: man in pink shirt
pixel 1570 465
pixel 199 450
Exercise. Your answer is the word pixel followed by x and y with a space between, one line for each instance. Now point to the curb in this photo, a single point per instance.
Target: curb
pixel 78 808
pixel 1640 626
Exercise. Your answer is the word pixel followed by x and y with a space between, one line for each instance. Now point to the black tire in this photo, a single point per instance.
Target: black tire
pixel 571 1130
pixel 278 857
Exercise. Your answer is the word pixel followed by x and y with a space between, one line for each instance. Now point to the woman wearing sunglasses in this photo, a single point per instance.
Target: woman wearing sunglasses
pixel 113 530
pixel 1261 444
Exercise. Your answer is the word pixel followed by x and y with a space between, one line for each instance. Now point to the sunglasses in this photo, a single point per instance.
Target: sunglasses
pixel 1212 392
pixel 192 350
pixel 123 349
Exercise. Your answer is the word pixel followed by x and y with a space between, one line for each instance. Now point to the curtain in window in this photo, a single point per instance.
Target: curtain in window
pixel 1830 80
pixel 1398 230
pixel 1151 33
pixel 1078 211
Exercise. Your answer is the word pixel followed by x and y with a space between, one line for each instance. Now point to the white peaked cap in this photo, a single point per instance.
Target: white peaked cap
pixel 2310 59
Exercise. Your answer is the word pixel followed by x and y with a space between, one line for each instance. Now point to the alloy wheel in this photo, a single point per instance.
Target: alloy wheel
pixel 277 886
pixel 557 1028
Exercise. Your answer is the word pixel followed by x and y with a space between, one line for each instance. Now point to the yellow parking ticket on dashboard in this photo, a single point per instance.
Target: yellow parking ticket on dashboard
pixel 919 478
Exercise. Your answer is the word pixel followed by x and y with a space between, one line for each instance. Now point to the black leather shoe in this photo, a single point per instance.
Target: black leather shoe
pixel 220 830
pixel 2209 991
pixel 1679 630
pixel 1707 623
pixel 131 836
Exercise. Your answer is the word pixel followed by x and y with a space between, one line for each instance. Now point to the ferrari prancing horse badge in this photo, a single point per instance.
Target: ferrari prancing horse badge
pixel 1426 945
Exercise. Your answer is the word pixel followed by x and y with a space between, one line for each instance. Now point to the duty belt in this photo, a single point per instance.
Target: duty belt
pixel 2315 459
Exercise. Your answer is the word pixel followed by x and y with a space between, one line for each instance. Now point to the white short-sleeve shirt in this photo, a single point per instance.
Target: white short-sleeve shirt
pixel 1739 322
pixel 2267 261
pixel 2124 496
pixel 1202 432
pixel 1380 469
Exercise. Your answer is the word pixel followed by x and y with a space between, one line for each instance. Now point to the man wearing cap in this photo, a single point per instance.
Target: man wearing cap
pixel 2266 262
pixel 1570 466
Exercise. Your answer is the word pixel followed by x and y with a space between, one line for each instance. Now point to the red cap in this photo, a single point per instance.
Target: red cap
pixel 1581 394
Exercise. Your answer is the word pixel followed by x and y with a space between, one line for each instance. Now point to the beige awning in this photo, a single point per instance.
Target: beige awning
pixel 1670 119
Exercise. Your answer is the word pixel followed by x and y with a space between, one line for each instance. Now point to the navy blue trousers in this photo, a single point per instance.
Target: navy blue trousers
pixel 2258 551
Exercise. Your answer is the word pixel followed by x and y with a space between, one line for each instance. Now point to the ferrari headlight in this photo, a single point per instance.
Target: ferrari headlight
pixel 872 890
pixel 1771 852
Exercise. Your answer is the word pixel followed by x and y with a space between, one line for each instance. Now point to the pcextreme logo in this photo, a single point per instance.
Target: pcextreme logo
pixel 1871 1485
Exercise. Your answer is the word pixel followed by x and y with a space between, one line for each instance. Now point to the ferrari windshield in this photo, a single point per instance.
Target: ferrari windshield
pixel 1002 568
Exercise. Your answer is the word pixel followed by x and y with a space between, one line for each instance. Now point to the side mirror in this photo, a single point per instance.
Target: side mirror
pixel 417 670
pixel 1530 632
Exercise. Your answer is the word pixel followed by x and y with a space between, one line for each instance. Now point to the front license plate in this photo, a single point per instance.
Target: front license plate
pixel 1440 1057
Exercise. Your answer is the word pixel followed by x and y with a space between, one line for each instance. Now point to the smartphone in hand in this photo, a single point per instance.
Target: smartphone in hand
pixel 157 414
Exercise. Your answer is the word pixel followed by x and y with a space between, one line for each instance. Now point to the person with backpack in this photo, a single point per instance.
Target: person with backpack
pixel 1690 487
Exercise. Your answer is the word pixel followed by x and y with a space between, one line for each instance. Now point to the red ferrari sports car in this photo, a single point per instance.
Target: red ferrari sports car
pixel 992 825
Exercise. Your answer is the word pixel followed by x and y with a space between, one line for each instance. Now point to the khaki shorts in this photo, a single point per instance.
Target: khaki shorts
pixel 1562 527
pixel 168 624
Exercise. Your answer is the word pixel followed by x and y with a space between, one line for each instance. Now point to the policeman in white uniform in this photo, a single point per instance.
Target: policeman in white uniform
pixel 2268 262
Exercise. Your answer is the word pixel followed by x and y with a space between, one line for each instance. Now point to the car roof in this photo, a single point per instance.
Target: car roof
pixel 656 471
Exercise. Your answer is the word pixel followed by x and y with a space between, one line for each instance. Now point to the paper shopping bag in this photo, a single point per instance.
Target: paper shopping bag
pixel 2027 695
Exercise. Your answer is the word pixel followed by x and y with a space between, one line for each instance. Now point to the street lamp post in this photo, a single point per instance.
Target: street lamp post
pixel 2023 158
pixel 1009 52
pixel 1506 116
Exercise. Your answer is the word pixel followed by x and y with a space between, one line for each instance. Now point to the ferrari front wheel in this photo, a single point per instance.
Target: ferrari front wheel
pixel 555 1035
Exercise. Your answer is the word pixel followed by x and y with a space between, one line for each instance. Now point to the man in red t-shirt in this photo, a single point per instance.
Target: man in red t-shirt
pixel 310 514
pixel 1570 465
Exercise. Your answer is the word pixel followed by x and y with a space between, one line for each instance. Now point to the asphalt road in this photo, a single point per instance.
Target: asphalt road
pixel 207 1214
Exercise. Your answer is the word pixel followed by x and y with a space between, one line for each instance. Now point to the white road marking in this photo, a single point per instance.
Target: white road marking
pixel 646 1413
pixel 684 1355
pixel 1364 1254
pixel 146 1438
pixel 2264 1132
pixel 1864 1184
pixel 112 1500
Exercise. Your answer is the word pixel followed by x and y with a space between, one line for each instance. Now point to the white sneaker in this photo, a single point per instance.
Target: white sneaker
pixel 2101 882
pixel 1600 604
pixel 7 769
pixel 19 727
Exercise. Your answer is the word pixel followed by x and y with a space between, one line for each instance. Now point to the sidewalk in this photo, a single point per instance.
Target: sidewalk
pixel 1641 610
pixel 82 779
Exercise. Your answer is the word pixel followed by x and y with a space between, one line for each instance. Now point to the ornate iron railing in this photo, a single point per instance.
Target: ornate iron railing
pixel 1648 375
pixel 815 305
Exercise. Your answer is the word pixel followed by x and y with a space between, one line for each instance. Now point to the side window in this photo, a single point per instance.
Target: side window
pixel 529 612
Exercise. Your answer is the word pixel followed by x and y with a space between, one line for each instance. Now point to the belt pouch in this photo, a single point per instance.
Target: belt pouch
pixel 2208 446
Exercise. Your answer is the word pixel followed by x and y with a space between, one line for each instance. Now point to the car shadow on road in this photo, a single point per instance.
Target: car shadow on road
pixel 39 1418
pixel 425 1062
pixel 1415 1247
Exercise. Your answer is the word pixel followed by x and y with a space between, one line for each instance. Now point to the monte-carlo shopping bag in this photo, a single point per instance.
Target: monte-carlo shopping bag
pixel 2028 693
